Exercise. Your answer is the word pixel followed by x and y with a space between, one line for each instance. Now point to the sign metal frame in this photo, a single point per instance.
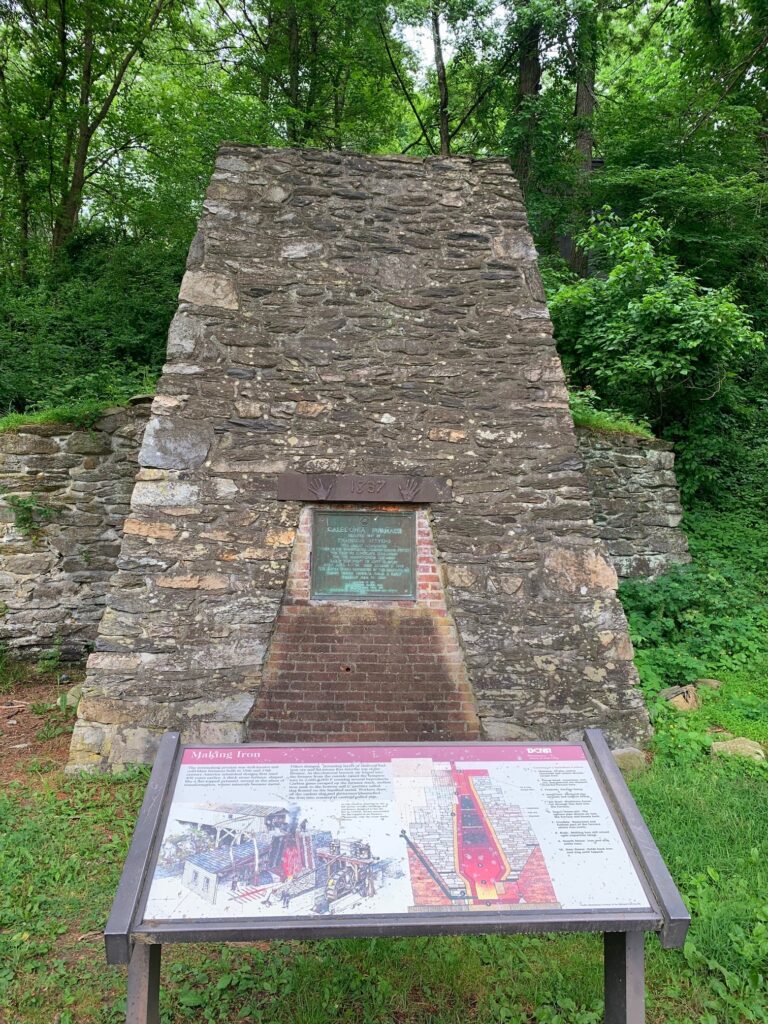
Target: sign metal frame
pixel 131 940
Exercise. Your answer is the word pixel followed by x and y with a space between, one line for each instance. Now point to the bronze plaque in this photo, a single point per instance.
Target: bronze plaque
pixel 384 488
pixel 361 556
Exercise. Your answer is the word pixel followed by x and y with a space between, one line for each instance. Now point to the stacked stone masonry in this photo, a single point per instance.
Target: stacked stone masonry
pixel 64 495
pixel 53 584
pixel 635 501
pixel 368 315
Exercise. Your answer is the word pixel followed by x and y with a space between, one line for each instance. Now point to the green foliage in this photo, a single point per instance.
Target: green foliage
pixel 58 718
pixel 50 659
pixel 584 409
pixel 60 862
pixel 741 705
pixel 88 333
pixel 12 671
pixel 722 457
pixel 709 821
pixel 77 414
pixel 29 513
pixel 706 620
pixel 709 617
pixel 643 334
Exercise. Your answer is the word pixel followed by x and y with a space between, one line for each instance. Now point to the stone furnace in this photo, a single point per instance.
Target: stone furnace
pixel 360 512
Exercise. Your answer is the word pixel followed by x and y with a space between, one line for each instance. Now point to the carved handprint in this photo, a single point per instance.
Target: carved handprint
pixel 410 488
pixel 321 486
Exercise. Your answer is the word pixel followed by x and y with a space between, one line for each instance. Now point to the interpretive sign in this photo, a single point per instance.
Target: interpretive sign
pixel 384 488
pixel 363 556
pixel 290 831
pixel 245 842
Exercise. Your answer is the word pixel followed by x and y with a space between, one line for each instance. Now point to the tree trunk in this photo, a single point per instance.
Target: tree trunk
pixel 266 79
pixel 586 68
pixel 294 59
pixel 24 220
pixel 72 192
pixel 528 88
pixel 312 66
pixel 442 85
pixel 340 84
pixel 585 45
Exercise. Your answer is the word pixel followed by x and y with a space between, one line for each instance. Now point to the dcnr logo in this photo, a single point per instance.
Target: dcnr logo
pixel 539 750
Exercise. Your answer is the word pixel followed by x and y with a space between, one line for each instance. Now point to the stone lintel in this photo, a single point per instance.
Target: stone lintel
pixel 397 488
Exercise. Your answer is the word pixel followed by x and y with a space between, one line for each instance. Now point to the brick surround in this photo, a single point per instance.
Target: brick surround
pixel 378 671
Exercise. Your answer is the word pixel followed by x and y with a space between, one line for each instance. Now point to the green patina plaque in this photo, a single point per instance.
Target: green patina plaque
pixel 363 556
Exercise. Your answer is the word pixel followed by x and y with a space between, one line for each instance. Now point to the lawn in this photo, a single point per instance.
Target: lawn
pixel 62 841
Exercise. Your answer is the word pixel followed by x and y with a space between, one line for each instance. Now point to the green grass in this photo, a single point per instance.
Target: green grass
pixel 77 414
pixel 583 405
pixel 15 672
pixel 740 706
pixel 62 841
pixel 12 671
pixel 707 620
pixel 607 422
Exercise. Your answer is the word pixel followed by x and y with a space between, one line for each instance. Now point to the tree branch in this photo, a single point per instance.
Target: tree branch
pixel 484 92
pixel 104 109
pixel 406 93
pixel 737 75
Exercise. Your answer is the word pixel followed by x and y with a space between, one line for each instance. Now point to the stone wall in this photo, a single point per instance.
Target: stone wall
pixel 52 586
pixel 362 315
pixel 635 501
pixel 53 579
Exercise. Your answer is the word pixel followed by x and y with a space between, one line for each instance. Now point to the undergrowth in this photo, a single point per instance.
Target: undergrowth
pixel 586 411
pixel 81 413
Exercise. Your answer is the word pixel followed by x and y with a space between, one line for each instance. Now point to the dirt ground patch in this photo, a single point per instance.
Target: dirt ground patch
pixel 34 731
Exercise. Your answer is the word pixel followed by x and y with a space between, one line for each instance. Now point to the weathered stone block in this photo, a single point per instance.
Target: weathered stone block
pixel 184 334
pixel 88 442
pixel 175 443
pixel 164 493
pixel 683 698
pixel 630 759
pixel 635 501
pixel 205 289
pixel 738 747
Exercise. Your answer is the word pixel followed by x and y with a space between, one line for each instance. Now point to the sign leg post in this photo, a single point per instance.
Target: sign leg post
pixel 624 978
pixel 143 1005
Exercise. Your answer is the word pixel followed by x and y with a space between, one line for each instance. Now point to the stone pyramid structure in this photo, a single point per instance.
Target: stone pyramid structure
pixel 368 336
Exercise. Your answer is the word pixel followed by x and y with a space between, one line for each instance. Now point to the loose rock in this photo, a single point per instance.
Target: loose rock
pixel 684 698
pixel 739 747
pixel 707 684
pixel 630 759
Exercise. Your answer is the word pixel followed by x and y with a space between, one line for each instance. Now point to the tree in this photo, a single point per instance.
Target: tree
pixel 316 65
pixel 528 89
pixel 62 67
pixel 644 334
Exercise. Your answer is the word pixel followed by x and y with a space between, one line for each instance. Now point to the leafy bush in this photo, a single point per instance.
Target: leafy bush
pixel 645 335
pixel 584 409
pixel 708 617
pixel 92 329
pixel 722 456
